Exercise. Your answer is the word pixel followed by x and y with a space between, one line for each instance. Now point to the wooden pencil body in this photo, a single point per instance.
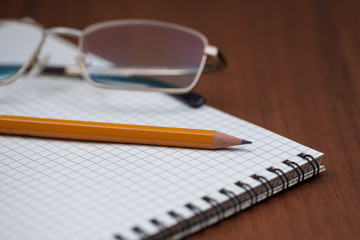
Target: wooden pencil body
pixel 108 132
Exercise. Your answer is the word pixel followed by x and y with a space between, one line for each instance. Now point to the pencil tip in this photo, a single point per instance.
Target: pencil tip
pixel 245 141
pixel 222 140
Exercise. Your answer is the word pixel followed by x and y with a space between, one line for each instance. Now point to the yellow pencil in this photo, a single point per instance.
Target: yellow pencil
pixel 114 132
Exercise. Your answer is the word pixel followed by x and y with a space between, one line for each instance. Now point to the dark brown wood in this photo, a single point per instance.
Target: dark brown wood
pixel 293 67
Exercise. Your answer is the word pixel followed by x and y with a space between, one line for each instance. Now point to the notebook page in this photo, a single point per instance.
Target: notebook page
pixel 62 189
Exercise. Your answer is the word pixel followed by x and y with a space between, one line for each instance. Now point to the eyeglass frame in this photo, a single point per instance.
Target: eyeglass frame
pixel 209 50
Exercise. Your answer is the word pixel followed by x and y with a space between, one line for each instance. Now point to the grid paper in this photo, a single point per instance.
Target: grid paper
pixel 62 189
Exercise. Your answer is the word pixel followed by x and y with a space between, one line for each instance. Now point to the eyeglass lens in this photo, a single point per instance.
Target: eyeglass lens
pixel 18 42
pixel 142 55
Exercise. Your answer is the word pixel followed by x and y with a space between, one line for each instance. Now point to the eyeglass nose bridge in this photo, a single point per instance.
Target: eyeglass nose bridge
pixel 63 31
pixel 70 32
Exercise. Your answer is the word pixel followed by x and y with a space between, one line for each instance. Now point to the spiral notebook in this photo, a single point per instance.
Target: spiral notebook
pixel 63 189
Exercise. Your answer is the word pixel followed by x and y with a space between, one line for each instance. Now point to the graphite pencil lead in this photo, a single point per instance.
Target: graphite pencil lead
pixel 245 142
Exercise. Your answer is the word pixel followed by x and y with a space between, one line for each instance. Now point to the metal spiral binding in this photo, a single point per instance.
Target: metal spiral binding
pixel 296 168
pixel 202 217
pixel 282 176
pixel 215 204
pixel 202 222
pixel 140 232
pixel 234 199
pixel 180 219
pixel 250 191
pixel 118 237
pixel 157 224
pixel 310 159
pixel 176 216
pixel 266 183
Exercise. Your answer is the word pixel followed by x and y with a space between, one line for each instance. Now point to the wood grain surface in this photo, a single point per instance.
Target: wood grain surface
pixel 293 67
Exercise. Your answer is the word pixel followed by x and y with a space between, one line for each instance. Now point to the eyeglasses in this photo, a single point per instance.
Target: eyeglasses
pixel 129 54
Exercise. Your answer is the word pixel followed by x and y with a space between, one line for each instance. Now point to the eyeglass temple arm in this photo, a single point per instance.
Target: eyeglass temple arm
pixel 217 61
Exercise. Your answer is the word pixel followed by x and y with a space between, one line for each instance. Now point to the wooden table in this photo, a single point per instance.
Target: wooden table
pixel 294 68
